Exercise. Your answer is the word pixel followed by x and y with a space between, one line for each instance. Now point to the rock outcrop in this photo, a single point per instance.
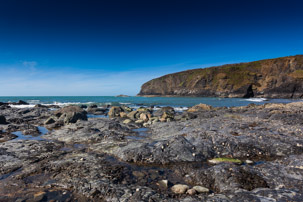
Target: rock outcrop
pixel 272 78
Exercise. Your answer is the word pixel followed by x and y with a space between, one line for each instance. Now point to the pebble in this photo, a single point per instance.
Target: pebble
pixel 201 189
pixel 163 184
pixel 191 192
pixel 249 161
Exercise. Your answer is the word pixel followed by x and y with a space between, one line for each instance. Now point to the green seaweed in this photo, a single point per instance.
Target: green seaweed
pixel 223 159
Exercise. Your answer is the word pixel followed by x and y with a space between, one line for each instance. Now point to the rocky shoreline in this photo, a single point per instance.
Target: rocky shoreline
pixel 116 153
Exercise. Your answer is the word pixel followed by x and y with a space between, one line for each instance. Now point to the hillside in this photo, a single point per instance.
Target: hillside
pixel 271 78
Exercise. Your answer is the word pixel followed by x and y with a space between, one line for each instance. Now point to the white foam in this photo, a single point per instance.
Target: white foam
pixel 180 109
pixel 21 106
pixel 256 99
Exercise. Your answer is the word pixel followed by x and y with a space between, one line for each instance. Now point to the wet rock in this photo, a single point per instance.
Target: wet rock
pixel 168 110
pixel 95 110
pixel 179 188
pixel 2 120
pixel 83 106
pixel 21 102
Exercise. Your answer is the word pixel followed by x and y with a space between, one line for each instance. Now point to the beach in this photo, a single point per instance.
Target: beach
pixel 148 153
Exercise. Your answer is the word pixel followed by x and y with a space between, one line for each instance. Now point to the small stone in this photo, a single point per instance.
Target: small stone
pixel 169 119
pixel 138 174
pixel 191 192
pixel 127 121
pixel 201 189
pixel 163 120
pixel 179 188
pixel 163 184
pixel 249 161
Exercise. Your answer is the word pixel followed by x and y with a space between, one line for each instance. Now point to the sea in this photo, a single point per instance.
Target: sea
pixel 179 103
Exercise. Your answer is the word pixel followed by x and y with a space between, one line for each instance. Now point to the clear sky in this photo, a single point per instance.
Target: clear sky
pixel 110 47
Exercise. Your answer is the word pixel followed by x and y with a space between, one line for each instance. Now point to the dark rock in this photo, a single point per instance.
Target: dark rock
pixel 49 121
pixel 21 102
pixel 95 110
pixel 40 106
pixel 2 120
pixel 71 114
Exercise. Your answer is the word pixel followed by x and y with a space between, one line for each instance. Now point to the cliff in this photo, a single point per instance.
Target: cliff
pixel 272 78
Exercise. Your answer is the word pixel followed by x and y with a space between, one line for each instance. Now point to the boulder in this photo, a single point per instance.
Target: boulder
pixel 200 107
pixel 71 114
pixel 167 110
pixel 144 117
pixel 114 111
pixel 95 110
pixel 21 102
pixel 126 109
pixel 132 115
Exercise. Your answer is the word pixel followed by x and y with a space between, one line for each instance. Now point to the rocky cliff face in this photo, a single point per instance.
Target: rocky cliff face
pixel 272 78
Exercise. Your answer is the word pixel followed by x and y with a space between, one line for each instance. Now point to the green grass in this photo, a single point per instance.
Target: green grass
pixel 298 74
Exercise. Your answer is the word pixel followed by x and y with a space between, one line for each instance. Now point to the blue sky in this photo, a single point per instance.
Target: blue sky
pixel 79 47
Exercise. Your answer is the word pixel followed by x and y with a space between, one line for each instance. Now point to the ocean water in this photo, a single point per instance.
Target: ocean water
pixel 177 102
